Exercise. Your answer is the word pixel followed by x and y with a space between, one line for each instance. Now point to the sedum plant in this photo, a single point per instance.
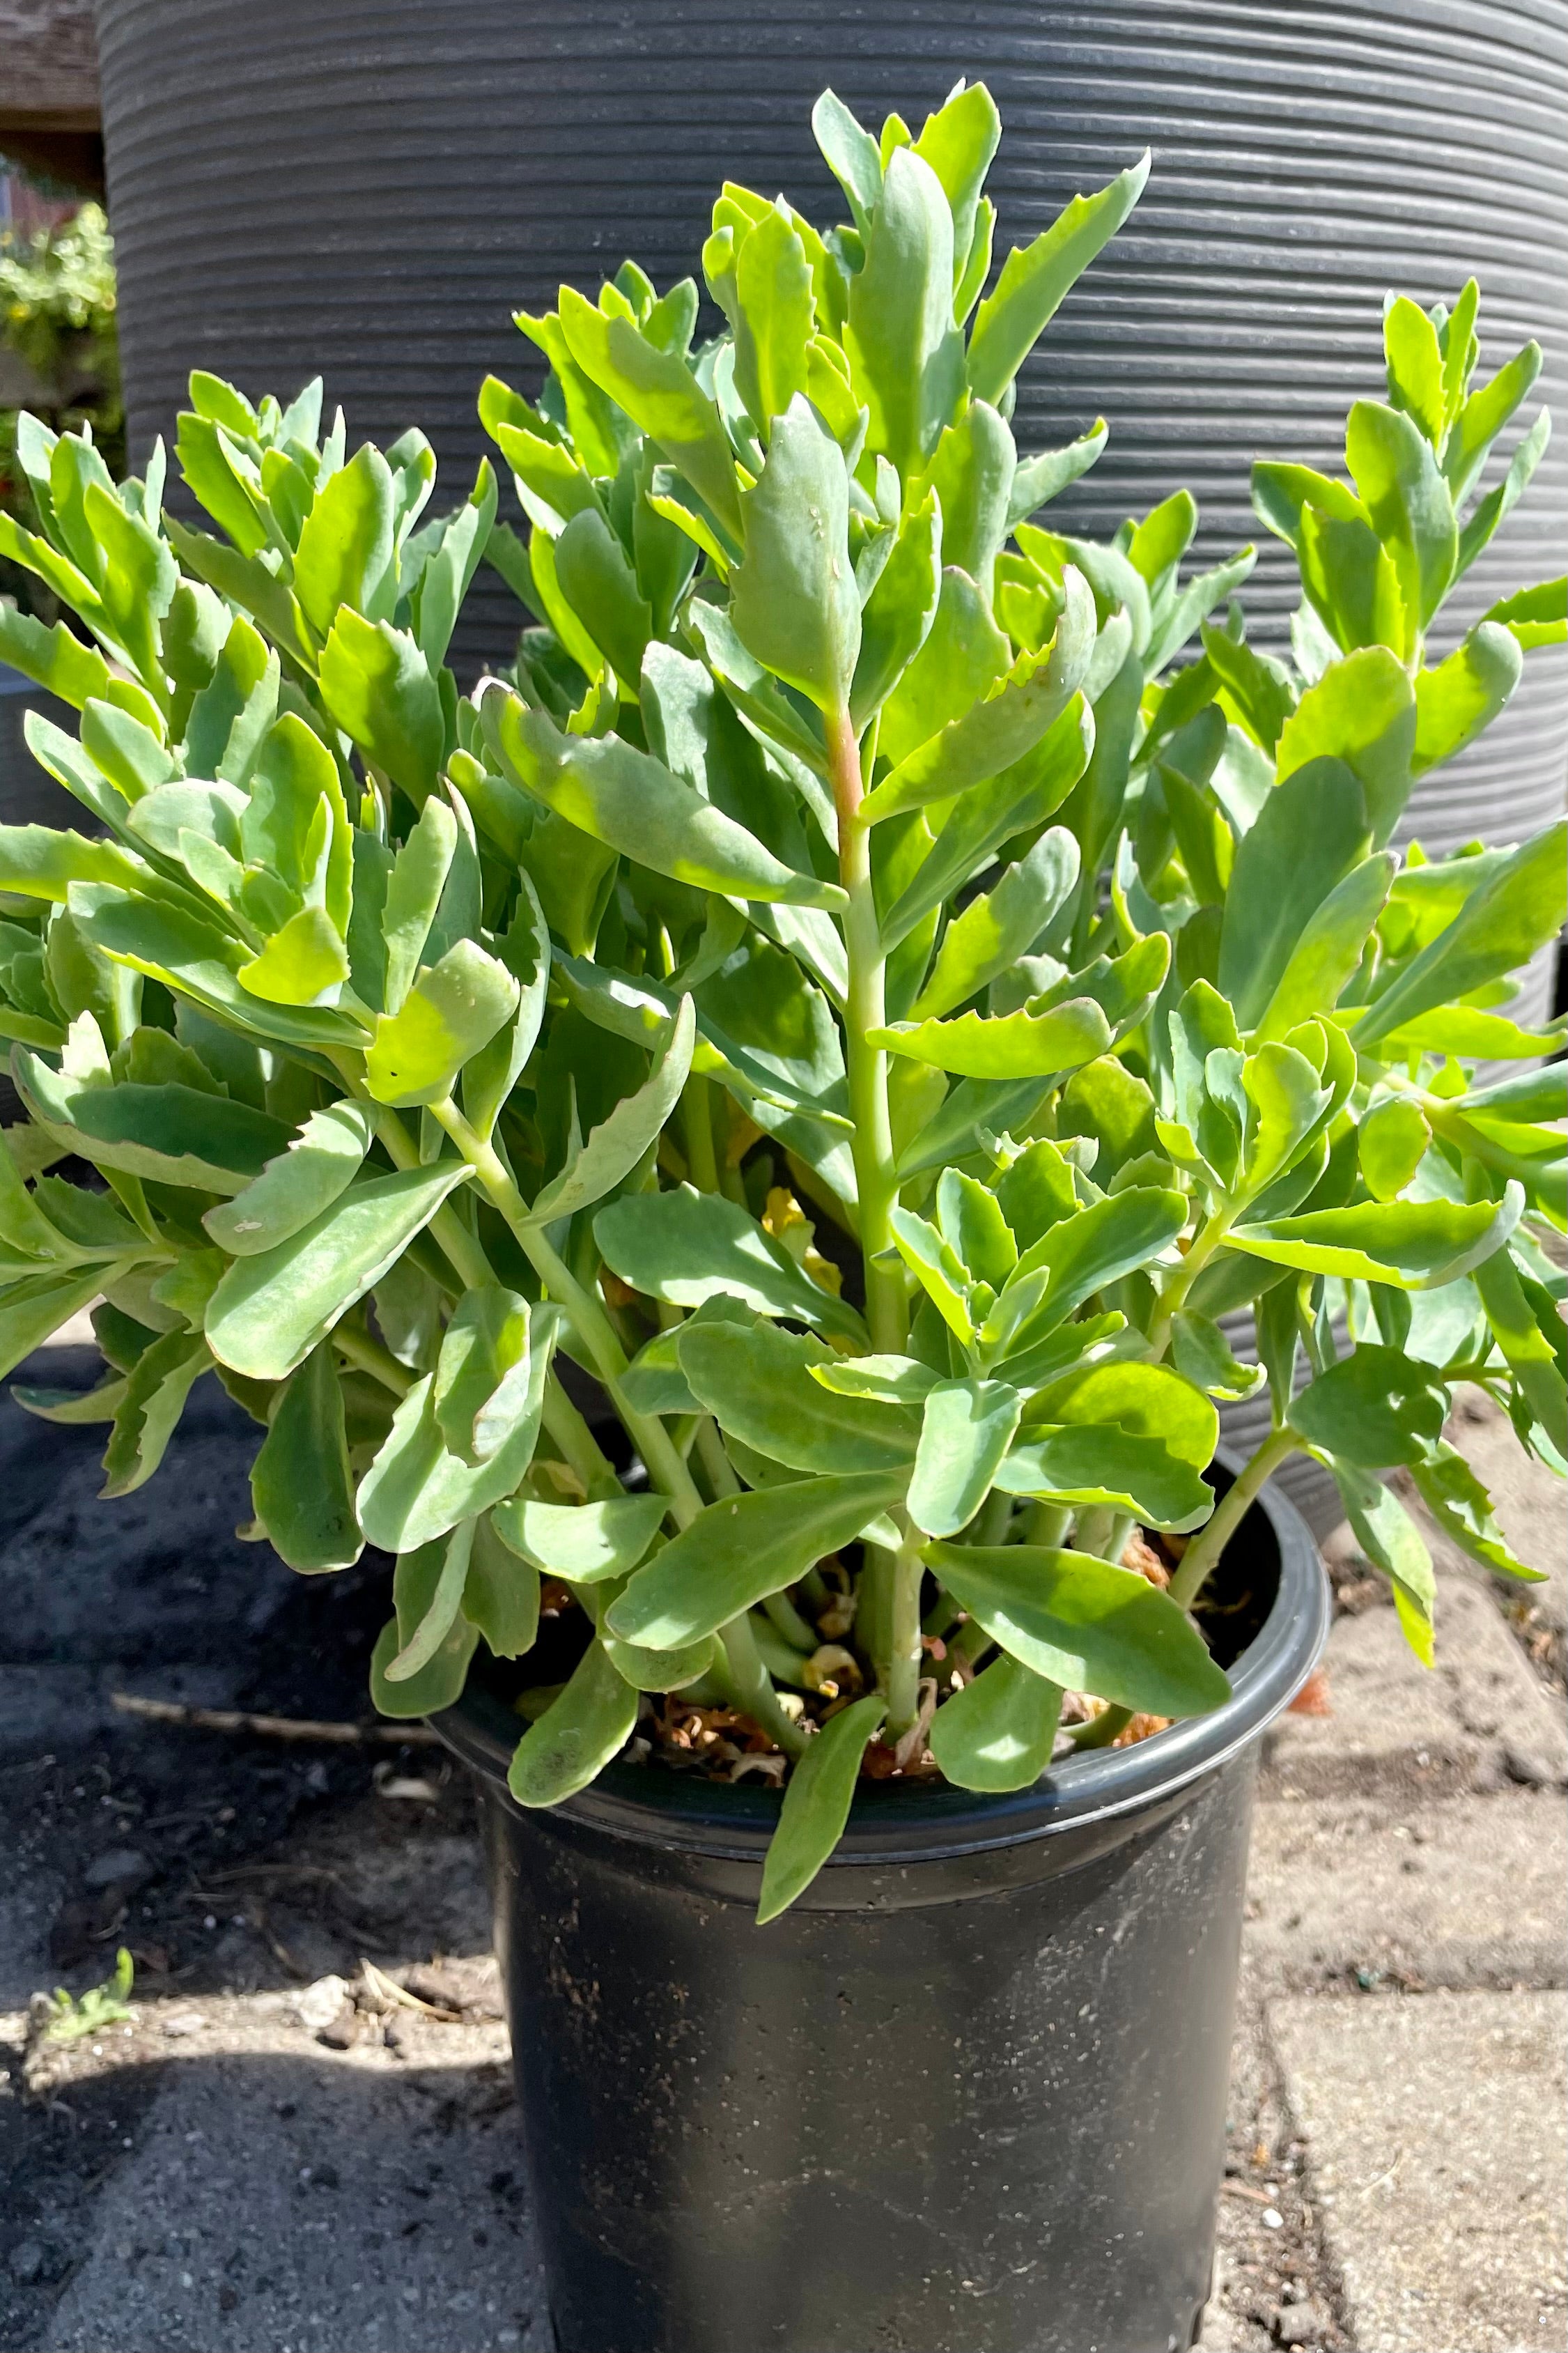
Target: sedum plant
pixel 726 1148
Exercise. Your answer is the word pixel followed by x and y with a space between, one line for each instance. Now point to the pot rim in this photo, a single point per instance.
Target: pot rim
pixel 894 1822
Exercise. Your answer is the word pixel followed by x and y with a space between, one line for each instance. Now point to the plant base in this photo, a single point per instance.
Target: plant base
pixel 969 2093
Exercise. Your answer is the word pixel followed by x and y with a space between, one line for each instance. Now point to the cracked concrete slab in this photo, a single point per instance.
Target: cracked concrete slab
pixel 1470 1721
pixel 274 2196
pixel 1437 2139
pixel 1467 1891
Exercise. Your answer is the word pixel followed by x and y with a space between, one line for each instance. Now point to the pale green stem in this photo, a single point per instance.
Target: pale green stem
pixel 970 1642
pixel 754 1687
pixel 1173 1295
pixel 875 1169
pixel 906 1654
pixel 592 1326
pixel 1102 1729
pixel 1204 1553
pixel 715 1462
pixel 371 1358
pixel 1094 1531
pixel 578 1445
pixel 787 1621
pixel 995 1517
pixel 1048 1524
pixel 462 1249
pixel 697 1127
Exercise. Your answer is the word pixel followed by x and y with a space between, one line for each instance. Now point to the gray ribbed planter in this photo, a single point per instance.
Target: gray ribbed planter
pixel 371 189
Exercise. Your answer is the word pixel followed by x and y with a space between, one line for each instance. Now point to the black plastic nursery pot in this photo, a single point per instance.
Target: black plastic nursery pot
pixel 967 2096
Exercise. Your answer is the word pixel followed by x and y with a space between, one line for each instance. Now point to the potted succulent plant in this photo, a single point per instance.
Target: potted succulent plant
pixel 723 1150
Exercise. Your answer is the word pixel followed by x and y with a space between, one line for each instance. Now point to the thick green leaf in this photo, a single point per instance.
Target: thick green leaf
pixel 1003 1045
pixel 990 814
pixel 1392 1141
pixel 1110 1469
pixel 583 1728
pixel 998 1732
pixel 756 1381
pixel 33 1307
pixel 436 596
pixel 772 316
pixel 662 398
pixel 345 551
pixel 1517 909
pixel 1078 1256
pixel 320 1162
pixel 500 1595
pixel 155 1393
pixel 897 617
pixel 1373 1407
pixel 661 1671
pixel 1148 1400
pixel 1415 367
pixel 423 1641
pixel 1538 616
pixel 1362 711
pixel 39 862
pixel 454 1008
pixel 483 1373
pixel 1080 1623
pixel 623 798
pixel 584 1543
pixel 937 1267
pixel 174 1134
pixel 1533 1354
pixel 1413 1245
pixel 53 658
pixel 301 1481
pixel 377 686
pixel 1311 830
pixel 598 581
pixel 1402 489
pixel 793 600
pixel 999 926
pixel 1035 278
pixel 1391 1542
pixel 684 1247
pixel 741 1550
pixel 899 1380
pixel 1006 723
pixel 964 653
pixel 971 1219
pixel 438 1683
pixel 1038 480
pixel 1464 695
pixel 851 154
pixel 1329 949
pixel 614 1147
pixel 271 1311
pixel 413 894
pixel 302 964
pixel 906 354
pixel 1462 1509
pixel 965 1429
pixel 417 1487
pixel 971 474
pixel 817 1803
pixel 1483 416
pixel 1201 1350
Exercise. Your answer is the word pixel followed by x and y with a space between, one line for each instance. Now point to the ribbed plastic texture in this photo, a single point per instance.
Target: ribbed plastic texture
pixel 371 188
